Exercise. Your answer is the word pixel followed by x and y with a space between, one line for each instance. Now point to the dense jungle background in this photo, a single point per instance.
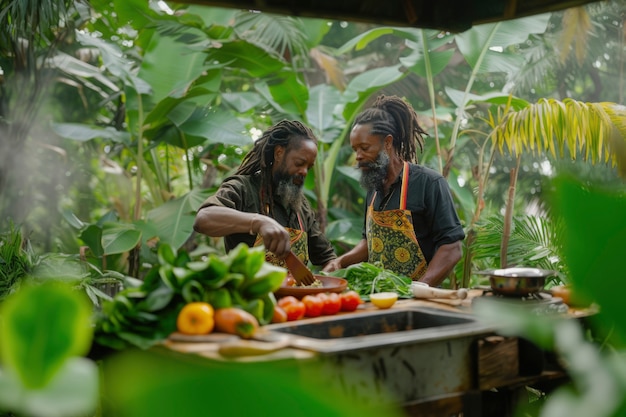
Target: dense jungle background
pixel 118 118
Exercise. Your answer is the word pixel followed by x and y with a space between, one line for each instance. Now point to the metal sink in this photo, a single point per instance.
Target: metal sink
pixel 406 353
pixel 378 328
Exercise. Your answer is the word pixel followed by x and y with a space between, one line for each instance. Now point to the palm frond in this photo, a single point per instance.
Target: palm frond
pixel 280 34
pixel 27 18
pixel 535 242
pixel 552 127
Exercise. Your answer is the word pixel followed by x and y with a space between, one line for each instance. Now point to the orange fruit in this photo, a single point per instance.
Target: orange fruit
pixel 196 318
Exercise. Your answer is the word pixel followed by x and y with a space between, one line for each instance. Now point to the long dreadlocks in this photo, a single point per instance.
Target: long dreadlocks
pixel 286 133
pixel 390 115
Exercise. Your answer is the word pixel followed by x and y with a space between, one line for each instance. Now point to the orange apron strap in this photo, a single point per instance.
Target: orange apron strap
pixel 373 198
pixel 405 185
pixel 300 221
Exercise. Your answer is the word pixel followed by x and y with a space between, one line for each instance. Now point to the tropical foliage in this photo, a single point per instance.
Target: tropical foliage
pixel 117 120
pixel 169 97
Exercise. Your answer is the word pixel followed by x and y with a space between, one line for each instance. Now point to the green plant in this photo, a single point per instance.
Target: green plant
pixel 144 313
pixel 590 350
pixel 534 240
pixel 46 330
pixel 17 260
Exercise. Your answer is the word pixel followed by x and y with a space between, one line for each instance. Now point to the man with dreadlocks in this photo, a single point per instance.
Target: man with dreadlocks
pixel 263 202
pixel 411 225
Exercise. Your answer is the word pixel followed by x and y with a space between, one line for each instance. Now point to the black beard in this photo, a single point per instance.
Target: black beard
pixel 289 194
pixel 374 177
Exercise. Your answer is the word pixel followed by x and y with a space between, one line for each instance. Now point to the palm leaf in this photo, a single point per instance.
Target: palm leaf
pixel 282 34
pixel 535 242
pixel 593 131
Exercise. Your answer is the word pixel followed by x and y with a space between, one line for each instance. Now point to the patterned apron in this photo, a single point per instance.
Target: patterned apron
pixel 299 246
pixel 391 239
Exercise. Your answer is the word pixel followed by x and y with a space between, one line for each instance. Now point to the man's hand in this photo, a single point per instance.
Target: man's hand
pixel 275 237
pixel 333 265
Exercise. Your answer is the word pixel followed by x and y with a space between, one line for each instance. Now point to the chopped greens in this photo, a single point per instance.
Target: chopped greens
pixel 366 278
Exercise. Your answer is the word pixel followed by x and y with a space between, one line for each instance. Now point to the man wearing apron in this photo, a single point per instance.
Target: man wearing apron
pixel 411 226
pixel 263 202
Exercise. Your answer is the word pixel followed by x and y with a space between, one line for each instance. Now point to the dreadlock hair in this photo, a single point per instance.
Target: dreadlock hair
pixel 391 115
pixel 287 133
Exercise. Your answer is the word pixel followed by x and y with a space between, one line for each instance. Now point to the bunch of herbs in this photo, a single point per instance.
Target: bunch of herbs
pixel 366 278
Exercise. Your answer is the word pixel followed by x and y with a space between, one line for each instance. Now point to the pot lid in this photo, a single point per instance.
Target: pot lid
pixel 522 272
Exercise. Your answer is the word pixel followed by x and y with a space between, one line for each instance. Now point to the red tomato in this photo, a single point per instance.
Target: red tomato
pixel 322 296
pixel 332 304
pixel 294 308
pixel 280 315
pixel 313 305
pixel 350 301
pixel 290 299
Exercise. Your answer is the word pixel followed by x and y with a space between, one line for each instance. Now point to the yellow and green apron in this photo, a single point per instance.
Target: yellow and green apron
pixel 391 239
pixel 299 245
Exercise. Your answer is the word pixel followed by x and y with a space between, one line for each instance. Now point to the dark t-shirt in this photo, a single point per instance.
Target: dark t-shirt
pixel 241 192
pixel 435 219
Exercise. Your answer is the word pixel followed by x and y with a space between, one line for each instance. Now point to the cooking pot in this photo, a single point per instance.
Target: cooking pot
pixel 517 281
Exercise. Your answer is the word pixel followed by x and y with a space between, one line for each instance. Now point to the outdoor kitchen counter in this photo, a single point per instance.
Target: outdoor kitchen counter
pixel 209 346
pixel 478 375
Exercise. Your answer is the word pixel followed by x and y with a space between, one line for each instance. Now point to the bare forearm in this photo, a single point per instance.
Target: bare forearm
pixel 221 221
pixel 445 259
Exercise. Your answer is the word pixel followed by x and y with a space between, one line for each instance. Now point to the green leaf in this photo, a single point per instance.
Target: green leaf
pixel 481 45
pixel 237 258
pixel 275 274
pixel 72 391
pixel 166 272
pixel 83 132
pixel 165 56
pixel 44 325
pixel 243 102
pixel 135 12
pixel 160 114
pixel 593 245
pixel 426 58
pixel 361 41
pixel 219 298
pixel 254 261
pixel 217 268
pixel 289 91
pixel 157 299
pixel 217 126
pixel 269 301
pixel 324 102
pixel 83 70
pixel 193 291
pixel 166 254
pixel 119 238
pixel 245 56
pixel 174 219
pixel 365 84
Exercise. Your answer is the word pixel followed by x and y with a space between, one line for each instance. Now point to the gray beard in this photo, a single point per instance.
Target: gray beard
pixel 289 194
pixel 374 178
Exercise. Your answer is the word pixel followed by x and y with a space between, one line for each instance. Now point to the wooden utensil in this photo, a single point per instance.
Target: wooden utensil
pixel 299 270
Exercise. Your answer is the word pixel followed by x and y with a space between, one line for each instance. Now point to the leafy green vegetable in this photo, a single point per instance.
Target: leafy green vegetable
pixel 145 314
pixel 366 278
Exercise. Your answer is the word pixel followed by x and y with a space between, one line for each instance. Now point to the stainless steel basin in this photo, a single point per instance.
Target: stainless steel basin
pixel 397 326
pixel 405 353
